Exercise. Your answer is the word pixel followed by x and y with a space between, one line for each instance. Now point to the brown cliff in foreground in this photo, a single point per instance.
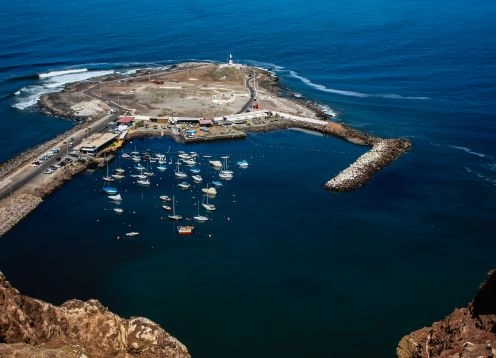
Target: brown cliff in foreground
pixel 466 332
pixel 33 328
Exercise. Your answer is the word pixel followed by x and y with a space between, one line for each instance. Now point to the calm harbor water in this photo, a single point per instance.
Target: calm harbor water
pixel 284 268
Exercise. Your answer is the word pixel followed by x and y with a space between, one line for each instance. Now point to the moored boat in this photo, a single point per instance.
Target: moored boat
pixel 184 185
pixel 132 233
pixel 197 178
pixel 242 164
pixel 185 230
pixel 118 210
pixel 116 197
pixel 174 216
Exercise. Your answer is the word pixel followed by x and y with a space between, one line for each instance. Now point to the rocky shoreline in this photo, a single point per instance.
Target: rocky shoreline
pixel 32 328
pixel 466 332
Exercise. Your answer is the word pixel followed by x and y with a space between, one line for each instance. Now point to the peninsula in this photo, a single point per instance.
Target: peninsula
pixel 190 102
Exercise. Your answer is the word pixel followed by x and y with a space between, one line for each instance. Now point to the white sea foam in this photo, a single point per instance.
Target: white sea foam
pixel 350 93
pixel 327 110
pixel 61 73
pixel 52 82
pixel 480 175
pixel 468 150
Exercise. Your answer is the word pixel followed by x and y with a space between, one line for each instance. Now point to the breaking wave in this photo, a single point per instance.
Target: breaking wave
pixel 351 93
pixel 52 82
pixel 468 150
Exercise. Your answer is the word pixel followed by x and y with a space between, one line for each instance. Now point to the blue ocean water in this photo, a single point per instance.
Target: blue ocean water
pixel 284 268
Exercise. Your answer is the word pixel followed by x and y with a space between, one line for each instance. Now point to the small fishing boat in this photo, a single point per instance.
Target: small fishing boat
pixel 116 197
pixel 185 230
pixel 217 183
pixel 189 162
pixel 184 156
pixel 132 233
pixel 109 190
pixel 215 163
pixel 165 198
pixel 161 167
pixel 125 156
pixel 225 175
pixel 144 182
pixel 195 170
pixel 118 210
pixel 118 176
pixel 119 170
pixel 139 167
pixel 209 191
pixel 242 164
pixel 197 178
pixel 184 185
pixel 166 207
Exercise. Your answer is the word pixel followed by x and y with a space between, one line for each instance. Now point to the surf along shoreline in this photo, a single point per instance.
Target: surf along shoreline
pixel 187 90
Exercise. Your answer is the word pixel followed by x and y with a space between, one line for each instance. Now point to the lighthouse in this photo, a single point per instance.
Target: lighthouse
pixel 230 62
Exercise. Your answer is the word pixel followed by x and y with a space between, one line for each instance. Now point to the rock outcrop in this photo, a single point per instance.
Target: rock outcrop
pixel 466 332
pixel 33 328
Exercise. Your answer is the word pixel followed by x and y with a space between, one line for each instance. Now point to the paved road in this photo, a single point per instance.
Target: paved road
pixel 27 173
pixel 251 100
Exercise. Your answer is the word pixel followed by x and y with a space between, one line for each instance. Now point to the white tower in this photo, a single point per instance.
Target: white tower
pixel 230 62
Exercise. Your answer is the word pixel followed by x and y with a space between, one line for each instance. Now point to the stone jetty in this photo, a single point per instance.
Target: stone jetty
pixel 368 164
pixel 16 209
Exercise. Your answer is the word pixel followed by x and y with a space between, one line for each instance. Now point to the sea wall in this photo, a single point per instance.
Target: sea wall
pixel 15 209
pixel 383 152
pixel 33 328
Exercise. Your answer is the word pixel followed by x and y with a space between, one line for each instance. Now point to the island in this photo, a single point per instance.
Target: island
pixel 190 102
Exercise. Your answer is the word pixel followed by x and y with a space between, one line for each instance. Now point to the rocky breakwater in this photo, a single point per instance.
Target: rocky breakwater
pixel 30 327
pixel 383 152
pixel 15 210
pixel 466 332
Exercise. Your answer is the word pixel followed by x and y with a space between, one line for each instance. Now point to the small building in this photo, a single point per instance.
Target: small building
pixel 188 120
pixel 95 142
pixel 190 133
pixel 206 123
pixel 126 120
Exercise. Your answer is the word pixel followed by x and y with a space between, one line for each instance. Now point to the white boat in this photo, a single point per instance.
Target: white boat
pixel 108 177
pixel 118 210
pixel 119 170
pixel 116 197
pixel 185 230
pixel 166 207
pixel 132 233
pixel 148 174
pixel 139 167
pixel 197 178
pixel 179 174
pixel 215 163
pixel 199 217
pixel 189 162
pixel 207 206
pixel 165 198
pixel 144 182
pixel 184 185
pixel 209 191
pixel 225 175
pixel 217 183
pixel 174 216
pixel 242 164
pixel 195 170
pixel 118 176
pixel 136 159
pixel 110 190
pixel 161 167
pixel 125 156
pixel 184 156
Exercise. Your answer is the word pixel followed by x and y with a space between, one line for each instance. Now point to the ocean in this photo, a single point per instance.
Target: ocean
pixel 284 268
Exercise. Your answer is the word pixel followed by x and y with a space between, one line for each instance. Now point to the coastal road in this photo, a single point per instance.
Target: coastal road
pixel 252 98
pixel 27 173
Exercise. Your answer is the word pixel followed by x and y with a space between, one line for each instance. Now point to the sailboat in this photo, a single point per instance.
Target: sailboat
pixel 107 177
pixel 179 174
pixel 199 217
pixel 209 207
pixel 225 173
pixel 174 216
pixel 116 197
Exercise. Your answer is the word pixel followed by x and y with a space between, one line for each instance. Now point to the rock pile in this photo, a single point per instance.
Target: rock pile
pixel 30 327
pixel 359 172
pixel 15 210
